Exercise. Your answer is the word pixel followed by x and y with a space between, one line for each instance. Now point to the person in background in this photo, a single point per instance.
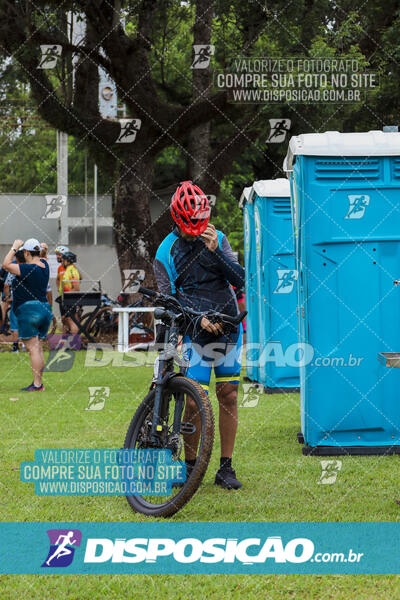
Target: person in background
pixel 19 259
pixel 60 272
pixel 241 300
pixel 43 254
pixel 3 299
pixel 30 305
pixel 69 283
pixel 59 252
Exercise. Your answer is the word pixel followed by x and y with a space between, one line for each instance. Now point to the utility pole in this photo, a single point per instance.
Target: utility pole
pixel 62 183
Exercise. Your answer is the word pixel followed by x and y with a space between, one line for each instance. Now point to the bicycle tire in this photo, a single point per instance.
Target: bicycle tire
pixel 170 507
pixel 97 326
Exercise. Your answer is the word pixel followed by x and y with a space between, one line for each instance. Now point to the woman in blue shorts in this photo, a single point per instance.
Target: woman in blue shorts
pixel 30 305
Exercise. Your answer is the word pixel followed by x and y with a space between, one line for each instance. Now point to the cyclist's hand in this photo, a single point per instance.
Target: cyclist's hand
pixel 210 237
pixel 215 328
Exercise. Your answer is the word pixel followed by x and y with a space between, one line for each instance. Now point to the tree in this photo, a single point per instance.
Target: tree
pixel 125 53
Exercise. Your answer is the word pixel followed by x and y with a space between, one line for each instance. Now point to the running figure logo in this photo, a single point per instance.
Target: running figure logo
pixel 132 280
pixel 357 206
pixel 62 358
pixel 54 206
pixel 50 55
pixel 97 397
pixel 251 395
pixel 279 129
pixel 202 56
pixel 211 199
pixel 62 547
pixel 129 129
pixel 330 470
pixel 286 280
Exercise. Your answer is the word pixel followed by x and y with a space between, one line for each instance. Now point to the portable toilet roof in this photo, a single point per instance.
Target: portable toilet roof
pixel 245 196
pixel 270 188
pixel 335 143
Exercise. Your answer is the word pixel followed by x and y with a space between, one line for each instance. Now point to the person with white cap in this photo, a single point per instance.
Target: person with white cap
pixel 31 308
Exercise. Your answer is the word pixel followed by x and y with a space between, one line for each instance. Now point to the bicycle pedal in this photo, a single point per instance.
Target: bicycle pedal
pixel 187 428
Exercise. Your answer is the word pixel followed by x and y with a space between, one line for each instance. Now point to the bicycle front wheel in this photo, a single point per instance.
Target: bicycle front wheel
pixel 196 436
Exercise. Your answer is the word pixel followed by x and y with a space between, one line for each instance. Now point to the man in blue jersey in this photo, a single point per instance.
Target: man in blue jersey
pixel 195 263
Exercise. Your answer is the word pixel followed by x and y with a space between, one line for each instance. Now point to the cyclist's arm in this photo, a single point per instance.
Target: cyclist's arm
pixel 229 264
pixel 74 285
pixel 162 278
pixel 164 286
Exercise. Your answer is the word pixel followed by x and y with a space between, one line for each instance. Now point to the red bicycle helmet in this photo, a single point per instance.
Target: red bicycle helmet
pixel 190 208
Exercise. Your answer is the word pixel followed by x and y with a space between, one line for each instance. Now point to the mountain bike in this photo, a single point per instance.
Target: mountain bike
pixel 176 414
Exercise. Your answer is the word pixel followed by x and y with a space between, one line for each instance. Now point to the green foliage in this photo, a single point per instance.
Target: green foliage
pixel 252 29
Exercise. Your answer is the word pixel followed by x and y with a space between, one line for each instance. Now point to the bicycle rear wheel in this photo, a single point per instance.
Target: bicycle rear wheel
pixel 200 442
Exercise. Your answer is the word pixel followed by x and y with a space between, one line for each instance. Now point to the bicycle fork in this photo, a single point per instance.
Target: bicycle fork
pixel 165 367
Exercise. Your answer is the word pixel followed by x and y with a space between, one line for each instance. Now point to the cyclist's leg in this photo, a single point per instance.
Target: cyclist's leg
pixel 198 369
pixel 227 376
pixel 71 325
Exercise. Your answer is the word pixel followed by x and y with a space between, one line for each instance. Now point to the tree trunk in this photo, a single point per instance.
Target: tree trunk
pixel 199 137
pixel 136 238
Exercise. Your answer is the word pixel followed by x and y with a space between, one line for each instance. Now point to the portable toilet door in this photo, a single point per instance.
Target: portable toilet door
pixel 346 200
pixel 251 353
pixel 277 286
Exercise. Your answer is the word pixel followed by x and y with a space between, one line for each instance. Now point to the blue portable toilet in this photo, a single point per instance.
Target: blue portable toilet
pixel 276 278
pixel 252 330
pixel 346 205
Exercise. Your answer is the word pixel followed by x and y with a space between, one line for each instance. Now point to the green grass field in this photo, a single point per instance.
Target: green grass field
pixel 279 484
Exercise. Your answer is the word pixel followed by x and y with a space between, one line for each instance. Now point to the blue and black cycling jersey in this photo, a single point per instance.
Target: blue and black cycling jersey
pixel 203 280
pixel 199 278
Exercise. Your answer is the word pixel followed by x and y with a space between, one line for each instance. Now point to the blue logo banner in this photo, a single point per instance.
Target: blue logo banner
pixel 247 548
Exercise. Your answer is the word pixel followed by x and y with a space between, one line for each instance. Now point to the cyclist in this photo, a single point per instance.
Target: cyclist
pixel 60 250
pixel 195 263
pixel 69 282
pixel 60 271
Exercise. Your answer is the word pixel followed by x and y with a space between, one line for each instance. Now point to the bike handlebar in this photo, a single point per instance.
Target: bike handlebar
pixel 213 316
pixel 147 292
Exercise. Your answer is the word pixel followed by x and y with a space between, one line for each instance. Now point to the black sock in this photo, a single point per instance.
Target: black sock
pixel 190 461
pixel 225 461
